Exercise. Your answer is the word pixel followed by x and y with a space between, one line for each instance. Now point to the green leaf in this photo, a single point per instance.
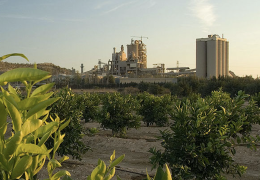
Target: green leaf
pixel 42 162
pixel 45 138
pixel 167 175
pixel 35 162
pixel 159 173
pixel 52 164
pixel 99 170
pixel 21 166
pixel 111 174
pixel 113 156
pixel 64 125
pixel 30 102
pixel 42 89
pixel 3 162
pixel 64 158
pixel 117 161
pixel 9 98
pixel 147 176
pixel 59 174
pixel 52 126
pixel 30 148
pixel 15 116
pixel 30 126
pixel 23 74
pixel 13 54
pixel 58 142
pixel 42 79
pixel 13 93
pixel 3 118
pixel 12 145
pixel 42 105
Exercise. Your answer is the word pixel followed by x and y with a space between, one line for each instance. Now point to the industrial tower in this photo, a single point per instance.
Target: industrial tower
pixel 212 56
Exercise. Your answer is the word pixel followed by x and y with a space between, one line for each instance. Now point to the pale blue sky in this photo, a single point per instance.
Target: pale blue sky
pixel 70 32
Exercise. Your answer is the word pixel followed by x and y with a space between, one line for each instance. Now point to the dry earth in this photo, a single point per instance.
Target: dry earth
pixel 135 147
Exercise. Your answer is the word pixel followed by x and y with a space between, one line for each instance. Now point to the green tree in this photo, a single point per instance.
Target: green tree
pixel 154 109
pixel 71 107
pixel 118 113
pixel 200 144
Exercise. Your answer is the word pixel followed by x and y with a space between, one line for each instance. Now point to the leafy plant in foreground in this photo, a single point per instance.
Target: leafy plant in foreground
pixel 106 172
pixel 23 153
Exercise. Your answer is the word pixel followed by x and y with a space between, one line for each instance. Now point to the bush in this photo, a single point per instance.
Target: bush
pixel 154 109
pixel 200 144
pixel 118 113
pixel 70 107
pixel 130 90
pixel 91 104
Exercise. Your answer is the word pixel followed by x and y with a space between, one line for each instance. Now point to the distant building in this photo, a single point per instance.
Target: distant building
pixel 212 56
pixel 134 61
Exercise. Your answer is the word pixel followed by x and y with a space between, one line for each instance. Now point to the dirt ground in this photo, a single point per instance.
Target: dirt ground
pixel 135 147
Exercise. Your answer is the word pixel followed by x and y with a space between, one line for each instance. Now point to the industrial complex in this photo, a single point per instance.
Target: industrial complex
pixel 212 59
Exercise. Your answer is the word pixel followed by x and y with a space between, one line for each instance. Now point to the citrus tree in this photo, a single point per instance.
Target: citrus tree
pixel 201 142
pixel 118 113
pixel 70 106
pixel 154 109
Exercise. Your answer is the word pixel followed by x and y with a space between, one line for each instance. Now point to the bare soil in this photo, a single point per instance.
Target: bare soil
pixel 135 147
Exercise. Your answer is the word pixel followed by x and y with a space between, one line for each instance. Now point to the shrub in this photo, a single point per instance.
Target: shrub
pixel 91 108
pixel 118 113
pixel 200 144
pixel 70 107
pixel 154 109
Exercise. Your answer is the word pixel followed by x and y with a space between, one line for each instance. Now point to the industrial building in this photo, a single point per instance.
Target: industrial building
pixel 135 60
pixel 212 56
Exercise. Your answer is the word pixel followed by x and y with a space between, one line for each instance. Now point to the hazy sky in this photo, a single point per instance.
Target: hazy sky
pixel 70 32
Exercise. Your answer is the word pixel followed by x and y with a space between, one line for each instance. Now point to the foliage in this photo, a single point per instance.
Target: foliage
pixel 70 107
pixel 106 172
pixel 143 86
pixel 23 153
pixel 129 90
pixel 118 113
pixel 91 104
pixel 160 174
pixel 154 109
pixel 201 142
pixel 92 131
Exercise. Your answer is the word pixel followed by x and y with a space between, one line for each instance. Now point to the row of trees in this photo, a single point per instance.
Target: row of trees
pixel 203 135
pixel 184 86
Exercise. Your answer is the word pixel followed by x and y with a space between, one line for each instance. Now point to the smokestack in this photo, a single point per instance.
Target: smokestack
pixel 81 68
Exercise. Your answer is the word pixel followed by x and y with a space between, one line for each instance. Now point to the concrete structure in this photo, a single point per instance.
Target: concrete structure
pixel 212 56
pixel 136 51
pixel 118 63
pixel 180 71
pixel 132 63
pixel 147 80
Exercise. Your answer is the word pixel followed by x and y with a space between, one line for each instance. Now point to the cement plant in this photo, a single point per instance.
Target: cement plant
pixel 212 59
